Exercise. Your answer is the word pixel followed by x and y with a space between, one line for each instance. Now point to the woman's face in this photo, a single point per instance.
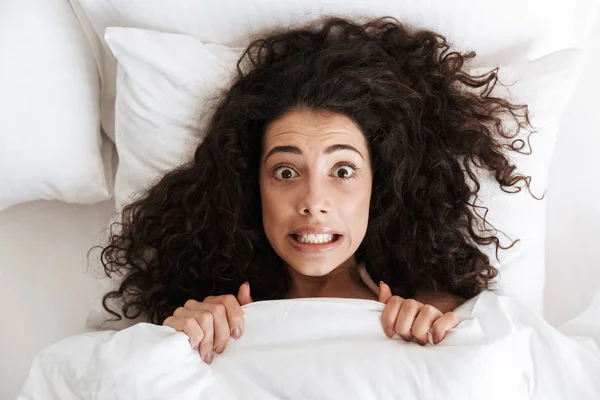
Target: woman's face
pixel 315 187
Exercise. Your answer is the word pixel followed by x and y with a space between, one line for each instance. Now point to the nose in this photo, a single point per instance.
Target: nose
pixel 315 200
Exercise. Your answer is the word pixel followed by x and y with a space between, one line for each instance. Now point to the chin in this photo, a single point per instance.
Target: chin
pixel 313 268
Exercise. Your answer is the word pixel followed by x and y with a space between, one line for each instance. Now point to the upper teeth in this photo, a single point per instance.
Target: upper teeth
pixel 315 238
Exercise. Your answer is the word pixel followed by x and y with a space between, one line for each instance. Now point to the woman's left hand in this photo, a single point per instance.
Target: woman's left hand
pixel 412 319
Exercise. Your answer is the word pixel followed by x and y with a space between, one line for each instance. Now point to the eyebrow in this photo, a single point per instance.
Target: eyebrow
pixel 295 150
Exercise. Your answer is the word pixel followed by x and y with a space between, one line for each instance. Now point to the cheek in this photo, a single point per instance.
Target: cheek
pixel 268 207
pixel 271 210
pixel 356 212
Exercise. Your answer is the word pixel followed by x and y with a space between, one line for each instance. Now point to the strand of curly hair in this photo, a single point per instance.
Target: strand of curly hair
pixel 198 230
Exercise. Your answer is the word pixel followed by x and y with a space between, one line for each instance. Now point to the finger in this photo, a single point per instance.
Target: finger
pixel 406 317
pixel 390 314
pixel 385 293
pixel 234 316
pixel 206 322
pixel 427 315
pixel 189 326
pixel 244 294
pixel 220 321
pixel 442 325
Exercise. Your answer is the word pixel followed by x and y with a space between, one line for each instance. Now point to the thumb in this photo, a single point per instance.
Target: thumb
pixel 244 294
pixel 385 293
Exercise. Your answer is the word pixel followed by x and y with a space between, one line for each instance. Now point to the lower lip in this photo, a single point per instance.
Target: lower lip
pixel 314 247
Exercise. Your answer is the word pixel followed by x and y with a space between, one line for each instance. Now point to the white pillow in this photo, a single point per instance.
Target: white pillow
pixel 514 29
pixel 50 143
pixel 154 135
pixel 164 78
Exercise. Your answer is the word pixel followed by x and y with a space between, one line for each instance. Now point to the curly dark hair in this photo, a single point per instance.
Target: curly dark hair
pixel 198 230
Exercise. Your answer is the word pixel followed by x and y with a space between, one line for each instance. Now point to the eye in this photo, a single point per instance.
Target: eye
pixel 345 171
pixel 284 173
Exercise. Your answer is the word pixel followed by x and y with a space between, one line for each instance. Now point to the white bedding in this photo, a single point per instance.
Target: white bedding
pixel 333 349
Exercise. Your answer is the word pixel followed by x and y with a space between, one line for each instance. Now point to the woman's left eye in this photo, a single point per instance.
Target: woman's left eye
pixel 344 172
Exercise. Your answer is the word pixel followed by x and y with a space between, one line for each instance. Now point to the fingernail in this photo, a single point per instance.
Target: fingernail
pixel 219 349
pixel 236 333
pixel 389 332
pixel 435 339
pixel 208 358
pixel 380 283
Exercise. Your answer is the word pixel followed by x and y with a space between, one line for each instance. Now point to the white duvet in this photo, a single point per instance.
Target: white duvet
pixel 332 349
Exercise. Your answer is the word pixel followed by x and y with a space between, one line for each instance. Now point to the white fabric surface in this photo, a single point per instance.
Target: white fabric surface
pixel 330 349
pixel 43 285
pixel 489 27
pixel 164 83
pixel 50 143
pixel 573 212
pixel 166 80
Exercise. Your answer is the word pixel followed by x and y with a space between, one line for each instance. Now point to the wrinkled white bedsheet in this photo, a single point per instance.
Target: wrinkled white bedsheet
pixel 333 349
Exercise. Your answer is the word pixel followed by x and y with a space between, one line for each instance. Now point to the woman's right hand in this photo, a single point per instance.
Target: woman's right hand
pixel 210 323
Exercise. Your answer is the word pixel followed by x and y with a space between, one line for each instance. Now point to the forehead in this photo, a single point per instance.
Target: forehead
pixel 313 126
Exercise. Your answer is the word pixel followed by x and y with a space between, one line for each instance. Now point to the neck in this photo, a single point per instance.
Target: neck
pixel 342 282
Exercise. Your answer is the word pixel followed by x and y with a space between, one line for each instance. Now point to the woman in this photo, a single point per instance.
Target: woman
pixel 338 157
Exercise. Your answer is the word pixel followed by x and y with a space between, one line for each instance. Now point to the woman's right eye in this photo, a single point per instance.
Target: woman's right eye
pixel 285 173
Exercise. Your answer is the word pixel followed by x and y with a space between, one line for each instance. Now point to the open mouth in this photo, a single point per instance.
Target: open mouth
pixel 316 238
